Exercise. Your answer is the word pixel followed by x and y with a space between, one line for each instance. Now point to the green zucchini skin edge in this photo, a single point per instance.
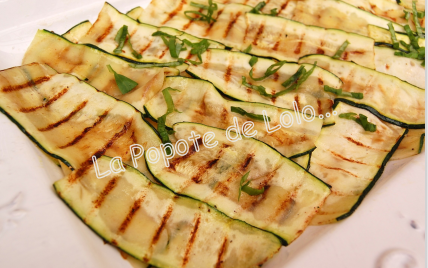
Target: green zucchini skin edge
pixel 375 179
pixel 421 143
pixel 34 140
pixel 302 154
pixel 376 113
pixel 85 21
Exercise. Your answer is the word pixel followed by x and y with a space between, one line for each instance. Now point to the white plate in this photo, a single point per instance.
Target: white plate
pixel 38 230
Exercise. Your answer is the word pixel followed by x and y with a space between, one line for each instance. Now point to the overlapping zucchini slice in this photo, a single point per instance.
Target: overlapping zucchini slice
pixel 351 160
pixel 77 31
pixel 153 224
pixel 291 197
pixel 69 119
pixel 412 144
pixel 225 70
pixel 386 96
pixel 90 64
pixel 269 36
pixel 152 48
pixel 199 102
pixel 381 35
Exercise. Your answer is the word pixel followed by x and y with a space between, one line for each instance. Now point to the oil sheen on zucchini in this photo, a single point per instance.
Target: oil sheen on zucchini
pixel 69 119
pixel 351 160
pixel 291 197
pixel 390 98
pixel 199 102
pixel 152 48
pixel 269 36
pixel 327 13
pixel 90 64
pixel 153 224
pixel 225 70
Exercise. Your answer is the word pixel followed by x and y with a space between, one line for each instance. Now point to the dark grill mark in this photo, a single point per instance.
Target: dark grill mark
pixel 109 187
pixel 283 6
pixel 231 22
pixel 146 47
pixel 276 46
pixel 221 253
pixel 296 99
pixel 163 53
pixel 185 27
pixel 259 32
pixel 228 73
pixel 191 241
pixel 35 82
pixel 320 51
pixel 197 177
pixel 320 82
pixel 299 45
pixel 347 159
pixel 66 119
pixel 340 169
pixel 345 55
pixel 174 12
pixel 49 102
pixel 135 207
pixel 319 106
pixel 192 150
pixel 105 33
pixel 246 162
pixel 363 145
pixel 275 78
pixel 207 31
pixel 164 220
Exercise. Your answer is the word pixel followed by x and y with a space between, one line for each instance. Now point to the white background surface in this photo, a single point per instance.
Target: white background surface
pixel 38 230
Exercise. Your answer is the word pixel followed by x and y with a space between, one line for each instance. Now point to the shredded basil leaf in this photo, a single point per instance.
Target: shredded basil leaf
pixel 361 120
pixel 339 92
pixel 395 43
pixel 421 143
pixel 243 186
pixel 197 48
pixel 296 80
pixel 406 14
pixel 416 20
pixel 150 65
pixel 248 49
pixel 257 8
pixel 412 37
pixel 124 83
pixel 242 112
pixel 260 89
pixel 253 60
pixel 163 132
pixel 270 71
pixel 341 49
pixel 200 16
pixel 120 39
pixel 274 12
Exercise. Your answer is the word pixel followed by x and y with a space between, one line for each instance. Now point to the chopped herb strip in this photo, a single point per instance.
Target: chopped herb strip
pixel 124 83
pixel 274 12
pixel 421 143
pixel 412 37
pixel 200 16
pixel 243 187
pixel 258 7
pixel 421 14
pixel 361 120
pixel 171 42
pixel 134 53
pixel 296 80
pixel 163 132
pixel 248 49
pixel 341 49
pixel 395 43
pixel 270 71
pixel 416 21
pixel 150 65
pixel 121 39
pixel 253 60
pixel 406 15
pixel 242 112
pixel 339 92
pixel 197 48
pixel 260 89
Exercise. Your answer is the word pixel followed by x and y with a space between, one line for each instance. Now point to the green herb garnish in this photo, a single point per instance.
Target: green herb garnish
pixel 406 15
pixel 274 12
pixel 243 186
pixel 341 49
pixel 242 112
pixel 361 120
pixel 248 49
pixel 260 89
pixel 416 21
pixel 200 16
pixel 421 143
pixel 339 92
pixel 270 71
pixel 171 42
pixel 253 60
pixel 257 8
pixel 296 80
pixel 124 83
pixel 163 132
pixel 123 37
pixel 395 43
pixel 150 65
pixel 197 48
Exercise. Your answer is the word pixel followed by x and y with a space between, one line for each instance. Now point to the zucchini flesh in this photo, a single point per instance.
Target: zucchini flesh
pixel 152 48
pixel 328 14
pixel 284 39
pixel 291 198
pixel 90 64
pixel 420 4
pixel 407 69
pixel 381 35
pixel 351 160
pixel 69 119
pixel 225 70
pixel 78 31
pixel 390 98
pixel 410 145
pixel 135 13
pixel 303 160
pixel 153 224
pixel 199 102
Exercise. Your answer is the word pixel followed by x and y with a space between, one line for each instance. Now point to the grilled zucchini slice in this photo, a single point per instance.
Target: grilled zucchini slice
pixel 135 13
pixel 90 64
pixel 153 224
pixel 412 144
pixel 407 69
pixel 351 160
pixel 388 97
pixel 69 119
pixel 152 48
pixel 291 197
pixel 225 70
pixel 381 35
pixel 303 160
pixel 199 102
pixel 78 31
pixel 284 39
